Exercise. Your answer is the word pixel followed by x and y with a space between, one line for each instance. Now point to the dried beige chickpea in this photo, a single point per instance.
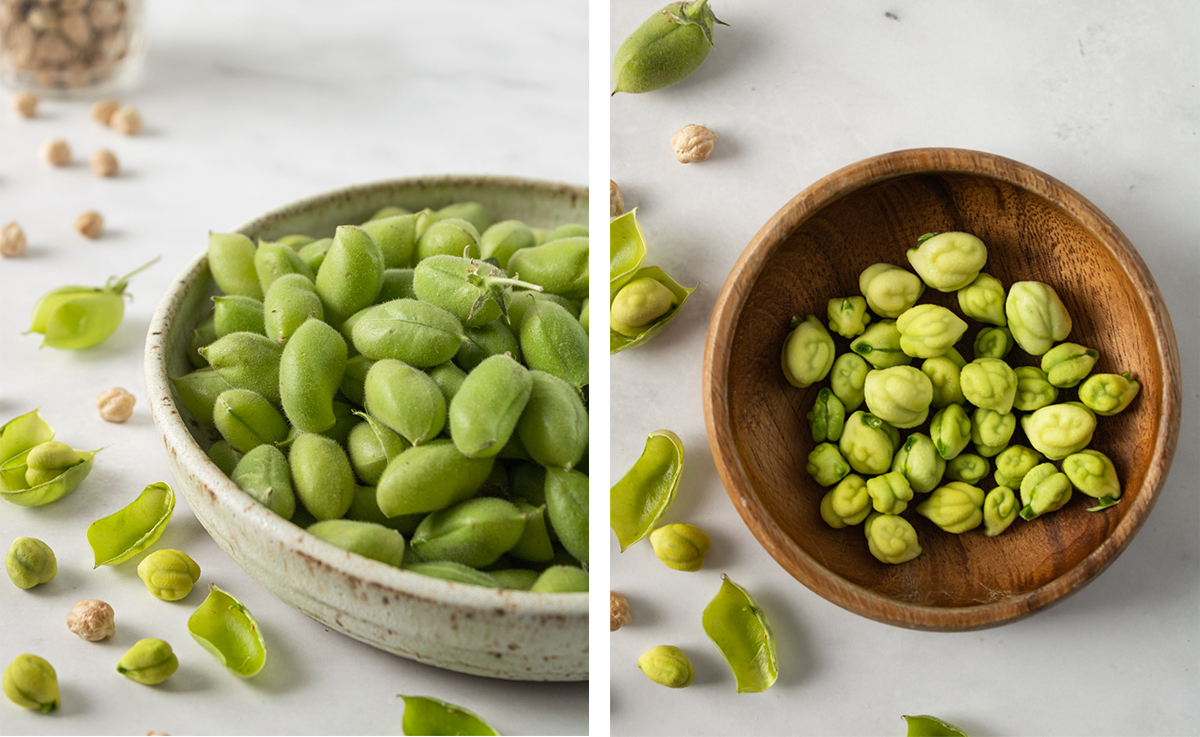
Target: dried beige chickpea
pixel 92 620
pixel 56 151
pixel 104 163
pixel 90 224
pixel 616 200
pixel 103 110
pixel 126 120
pixel 618 611
pixel 25 103
pixel 693 143
pixel 115 404
pixel 12 240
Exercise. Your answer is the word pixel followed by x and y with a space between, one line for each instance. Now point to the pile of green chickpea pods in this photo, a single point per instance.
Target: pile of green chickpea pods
pixel 411 389
pixel 875 472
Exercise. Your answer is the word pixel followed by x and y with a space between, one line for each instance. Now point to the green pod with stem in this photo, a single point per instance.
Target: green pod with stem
pixel 72 318
pixel 666 48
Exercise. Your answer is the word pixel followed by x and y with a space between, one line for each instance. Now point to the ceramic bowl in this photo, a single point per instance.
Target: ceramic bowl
pixel 812 250
pixel 499 633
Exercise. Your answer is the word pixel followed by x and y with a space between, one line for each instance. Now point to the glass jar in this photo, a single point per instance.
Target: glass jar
pixel 71 48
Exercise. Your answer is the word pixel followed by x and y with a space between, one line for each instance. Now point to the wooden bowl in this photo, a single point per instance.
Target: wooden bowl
pixel 515 635
pixel 812 250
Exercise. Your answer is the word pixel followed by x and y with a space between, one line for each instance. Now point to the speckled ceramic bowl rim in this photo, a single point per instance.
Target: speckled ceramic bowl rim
pixel 233 501
pixel 820 195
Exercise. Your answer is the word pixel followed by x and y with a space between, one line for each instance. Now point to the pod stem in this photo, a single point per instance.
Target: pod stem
pixel 118 285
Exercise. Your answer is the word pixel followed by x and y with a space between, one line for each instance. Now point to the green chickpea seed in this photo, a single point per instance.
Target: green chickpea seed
pixel 948 261
pixel 900 396
pixel 30 562
pixel 827 417
pixel 847 378
pixel 826 464
pixel 920 462
pixel 1036 316
pixel 30 682
pixel 956 507
pixel 880 345
pixel 1000 509
pixel 928 331
pixel 1044 489
pixel 680 546
pixel 983 300
pixel 149 661
pixel 667 666
pixel 168 574
pixel 846 504
pixel 890 290
pixel 848 316
pixel 1067 364
pixel 1108 394
pixel 891 538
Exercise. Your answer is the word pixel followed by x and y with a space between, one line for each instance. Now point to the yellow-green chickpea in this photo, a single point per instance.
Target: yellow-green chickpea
pixel 667 666
pixel 889 290
pixel 1108 394
pixel 927 330
pixel 900 395
pixel 867 444
pixel 1036 316
pixel 920 463
pixel 168 574
pixel 950 430
pixel 880 345
pixel 1013 463
pixel 1067 364
pixel 680 546
pixel 826 465
pixel 956 357
pixel 1034 390
pixel 847 377
pixel 948 261
pixel 639 303
pixel 989 383
pixel 848 316
pixel 993 343
pixel 846 504
pixel 30 562
pixel 944 375
pixel 808 353
pixel 956 507
pixel 1092 473
pixel 983 300
pixel 1059 430
pixel 48 461
pixel 999 510
pixel 967 468
pixel 991 430
pixel 891 538
pixel 890 493
pixel 1044 489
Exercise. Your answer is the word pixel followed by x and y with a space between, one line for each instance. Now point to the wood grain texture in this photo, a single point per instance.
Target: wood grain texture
pixel 812 250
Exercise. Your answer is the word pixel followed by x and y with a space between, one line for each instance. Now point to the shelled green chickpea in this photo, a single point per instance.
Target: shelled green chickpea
pixel 412 389
pixel 874 470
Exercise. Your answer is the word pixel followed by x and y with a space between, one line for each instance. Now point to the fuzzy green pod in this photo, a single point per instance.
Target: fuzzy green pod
pixel 808 352
pixel 133 528
pixel 553 426
pixel 1013 463
pixel 504 239
pixel 265 475
pixel 945 376
pixel 920 462
pixel 448 570
pixel 993 343
pixel 1067 364
pixel 30 562
pixel 291 300
pixel 666 48
pixel 430 477
pixel 567 230
pixel 295 241
pixel 553 341
pixel 846 504
pixel 388 211
pixel 310 374
pixel 1044 489
pixel 202 335
pixel 448 237
pixel 449 378
pixel 1108 394
pixel 350 275
pixel 968 468
pixel 567 509
pixel 474 291
pixel 235 314
pixel 423 715
pixel 368 539
pixel 354 379
pixel 890 290
pixel 989 383
pixel 475 532
pixel 492 339
pixel 224 456
pixel 737 625
pixel 667 666
pixel 983 300
pixel 408 330
pixel 484 412
pixel 1000 510
pixel 880 346
pixel 638 500
pixel 168 574
pixel 561 579
pixel 406 400
pixel 1036 316
pixel 371 447
pixel 273 260
pixel 956 507
pixel 950 430
pixel 560 267
pixel 535 544
pixel 1059 430
pixel 227 629
pixel 30 682
pixel 891 538
pixel 900 396
pixel 73 318
pixel 848 316
pixel 847 378
pixel 231 262
pixel 948 261
pixel 866 444
pixel 927 331
pixel 397 284
pixel 247 420
pixel 322 478
pixel 314 253
pixel 473 212
pixel 1092 473
pixel 396 237
pixel 247 361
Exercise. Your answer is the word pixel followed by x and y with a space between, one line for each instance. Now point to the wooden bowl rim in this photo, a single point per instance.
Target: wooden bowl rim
pixel 727 311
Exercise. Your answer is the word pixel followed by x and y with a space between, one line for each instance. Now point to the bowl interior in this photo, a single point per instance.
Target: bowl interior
pixel 813 252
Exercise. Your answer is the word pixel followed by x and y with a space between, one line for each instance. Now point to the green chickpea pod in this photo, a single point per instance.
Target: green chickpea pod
pixel 1108 394
pixel 950 430
pixel 1044 489
pixel 1092 473
pixel 848 316
pixel 948 261
pixel 638 304
pixel 1000 510
pixel 920 463
pixel 1059 430
pixel 846 504
pixel 956 507
pixel 827 417
pixel 890 493
pixel 993 343
pixel 891 538
pixel 1034 390
pixel 989 383
pixel 808 353
pixel 889 290
pixel 927 331
pixel 991 431
pixel 1036 316
pixel 900 395
pixel 867 444
pixel 847 378
pixel 880 346
pixel 1013 463
pixel 944 374
pixel 1067 364
pixel 983 300
pixel 967 468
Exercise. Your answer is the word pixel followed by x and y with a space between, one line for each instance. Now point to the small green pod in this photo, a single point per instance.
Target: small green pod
pixel 1034 389
pixel 247 420
pixel 1000 510
pixel 944 375
pixel 449 378
pixel 492 339
pixel 354 378
pixel 473 212
pixel 553 341
pixel 168 574
pixel 991 431
pixel 198 391
pixel 149 661
pixel 247 361
pixel 848 316
pixel 350 275
pixel 1108 394
pixel 667 666
pixel 1036 316
pixel 475 532
pixel 967 468
pixel 503 239
pixel 567 510
pixel 950 430
pixel 322 478
pixel 273 260
pixel 1044 489
pixel 866 444
pixel 890 290
pixel 927 726
pixel 296 241
pixel 74 317
pixel 638 500
pixel 265 475
pixel 993 343
pixel 890 493
pixel 371 447
pixel 365 508
pixel 561 579
pixel 567 230
pixel 553 426
pixel 224 456
pixel 827 417
pixel 989 383
pixel 983 300
pixel 310 374
pixel 1067 364
pixel 291 300
pixel 397 284
pixel 471 290
pixel 408 330
pixel 846 504
pixel 133 528
pixel 1093 473
pixel 584 316
pixel 666 48
pixel 423 715
pixel 737 625
pixel 920 462
pixel 406 400
pixel 227 629
pixel 231 262
pixel 368 539
pixel 955 507
pixel 448 570
pixel 236 314
pixel 808 353
pixel 528 482
pixel 388 211
pixel 891 538
pixel 826 464
pixel 396 237
pixel 880 346
pixel 1059 430
pixel 201 336
pixel 900 395
pixel 447 237
pixel 535 544
pixel 559 267
pixel 948 261
pixel 847 378
pixel 1013 463
pixel 430 477
pixel 314 254
pixel 928 331
pixel 30 562
pixel 30 682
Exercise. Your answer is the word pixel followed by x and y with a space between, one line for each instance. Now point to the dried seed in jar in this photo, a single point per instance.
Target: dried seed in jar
pixel 104 163
pixel 126 120
pixel 12 240
pixel 102 111
pixel 90 224
pixel 616 200
pixel 693 143
pixel 56 151
pixel 25 104
pixel 115 404
pixel 92 620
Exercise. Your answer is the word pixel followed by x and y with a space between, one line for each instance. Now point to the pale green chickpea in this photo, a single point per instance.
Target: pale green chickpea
pixel 1036 316
pixel 1044 489
pixel 847 377
pixel 968 468
pixel 846 504
pixel 1092 473
pixel 1067 364
pixel 1108 394
pixel 1059 430
pixel 956 357
pixel 1034 390
pixel 983 300
pixel 900 395
pixel 848 316
pixel 991 430
pixel 826 465
pixel 950 430
pixel 1000 510
pixel 880 345
pixel 889 290
pixel 808 353
pixel 948 261
pixel 993 343
pixel 944 373
pixel 638 304
pixel 989 383
pixel 956 507
pixel 891 538
pixel 920 463
pixel 827 416
pixel 1013 463
pixel 890 493
pixel 927 331
pixel 867 444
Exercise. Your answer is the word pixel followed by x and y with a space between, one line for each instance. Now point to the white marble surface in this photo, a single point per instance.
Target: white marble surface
pixel 249 106
pixel 1101 95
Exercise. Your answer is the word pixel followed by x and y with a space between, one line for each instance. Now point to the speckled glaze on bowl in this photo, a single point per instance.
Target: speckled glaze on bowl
pixel 514 635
